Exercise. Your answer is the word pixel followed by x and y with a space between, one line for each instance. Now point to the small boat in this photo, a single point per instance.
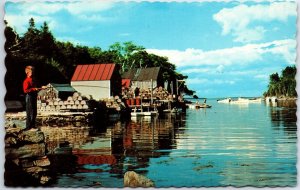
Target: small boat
pixel 203 106
pixel 198 106
pixel 255 100
pixel 191 106
pixel 227 100
pixel 240 101
pixel 173 110
pixel 144 113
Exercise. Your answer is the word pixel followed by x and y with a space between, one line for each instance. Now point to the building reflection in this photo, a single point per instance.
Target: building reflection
pixel 137 141
pixel 121 146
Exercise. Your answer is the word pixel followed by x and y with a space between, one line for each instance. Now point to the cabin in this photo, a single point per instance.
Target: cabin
pixel 100 81
pixel 143 78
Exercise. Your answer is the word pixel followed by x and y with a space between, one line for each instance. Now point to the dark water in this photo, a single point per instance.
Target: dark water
pixel 238 145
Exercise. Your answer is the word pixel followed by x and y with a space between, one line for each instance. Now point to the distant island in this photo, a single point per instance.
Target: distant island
pixel 284 85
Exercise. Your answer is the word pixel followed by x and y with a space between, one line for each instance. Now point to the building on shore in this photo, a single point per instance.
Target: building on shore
pixel 54 91
pixel 144 78
pixel 99 81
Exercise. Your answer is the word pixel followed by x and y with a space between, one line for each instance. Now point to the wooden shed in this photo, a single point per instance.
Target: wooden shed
pixel 144 78
pixel 97 80
pixel 54 91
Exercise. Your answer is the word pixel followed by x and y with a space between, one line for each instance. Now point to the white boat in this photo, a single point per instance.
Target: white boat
pixel 255 100
pixel 240 101
pixel 144 113
pixel 191 106
pixel 198 106
pixel 227 100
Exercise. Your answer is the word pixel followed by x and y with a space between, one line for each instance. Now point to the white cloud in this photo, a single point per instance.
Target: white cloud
pixel 238 20
pixel 249 35
pixel 74 7
pixel 46 11
pixel 93 18
pixel 80 7
pixel 220 69
pixel 237 55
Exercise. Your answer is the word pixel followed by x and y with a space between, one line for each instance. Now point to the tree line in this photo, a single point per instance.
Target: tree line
pixel 55 61
pixel 283 85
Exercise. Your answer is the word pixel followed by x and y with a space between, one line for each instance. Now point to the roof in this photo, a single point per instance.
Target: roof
pixel 63 87
pixel 93 72
pixel 126 82
pixel 142 74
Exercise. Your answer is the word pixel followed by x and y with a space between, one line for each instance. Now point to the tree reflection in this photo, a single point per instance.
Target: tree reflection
pixel 284 115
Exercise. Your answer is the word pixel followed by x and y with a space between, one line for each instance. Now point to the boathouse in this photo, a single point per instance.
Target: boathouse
pixel 99 81
pixel 144 78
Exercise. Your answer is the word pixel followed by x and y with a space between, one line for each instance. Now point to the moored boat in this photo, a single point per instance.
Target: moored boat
pixel 203 106
pixel 227 100
pixel 198 106
pixel 255 100
pixel 240 101
pixel 147 113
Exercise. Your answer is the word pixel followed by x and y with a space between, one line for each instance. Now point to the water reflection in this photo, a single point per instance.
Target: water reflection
pixel 225 145
pixel 85 151
pixel 137 141
pixel 284 116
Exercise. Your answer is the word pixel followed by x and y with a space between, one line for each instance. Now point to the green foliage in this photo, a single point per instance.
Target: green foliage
pixel 284 85
pixel 56 61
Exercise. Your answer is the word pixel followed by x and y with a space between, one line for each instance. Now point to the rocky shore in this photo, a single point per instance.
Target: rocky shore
pixel 28 163
pixel 282 101
pixel 26 159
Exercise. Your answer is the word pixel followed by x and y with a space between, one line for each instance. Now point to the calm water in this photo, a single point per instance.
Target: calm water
pixel 236 145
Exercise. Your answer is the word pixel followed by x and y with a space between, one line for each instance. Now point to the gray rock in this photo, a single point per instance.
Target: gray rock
pixel 35 170
pixel 32 136
pixel 26 151
pixel 10 141
pixel 44 179
pixel 44 161
pixel 132 179
pixel 26 163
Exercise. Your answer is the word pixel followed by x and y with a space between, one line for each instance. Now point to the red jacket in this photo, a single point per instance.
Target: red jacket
pixel 28 85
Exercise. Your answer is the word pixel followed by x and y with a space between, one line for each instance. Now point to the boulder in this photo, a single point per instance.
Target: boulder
pixel 32 136
pixel 28 150
pixel 132 179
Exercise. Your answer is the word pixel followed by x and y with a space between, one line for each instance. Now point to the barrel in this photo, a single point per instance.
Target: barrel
pixel 132 101
pixel 128 102
pixel 138 101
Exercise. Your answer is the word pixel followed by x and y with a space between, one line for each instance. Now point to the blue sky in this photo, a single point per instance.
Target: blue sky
pixel 226 49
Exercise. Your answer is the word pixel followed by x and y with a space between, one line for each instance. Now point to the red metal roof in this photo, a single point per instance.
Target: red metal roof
pixel 126 83
pixel 93 72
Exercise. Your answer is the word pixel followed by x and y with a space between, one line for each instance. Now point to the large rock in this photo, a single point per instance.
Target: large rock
pixel 26 151
pixel 32 136
pixel 132 179
pixel 16 137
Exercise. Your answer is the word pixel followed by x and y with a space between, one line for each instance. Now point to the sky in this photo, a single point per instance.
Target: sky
pixel 227 49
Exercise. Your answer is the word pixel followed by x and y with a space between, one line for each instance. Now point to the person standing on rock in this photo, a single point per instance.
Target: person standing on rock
pixel 30 89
